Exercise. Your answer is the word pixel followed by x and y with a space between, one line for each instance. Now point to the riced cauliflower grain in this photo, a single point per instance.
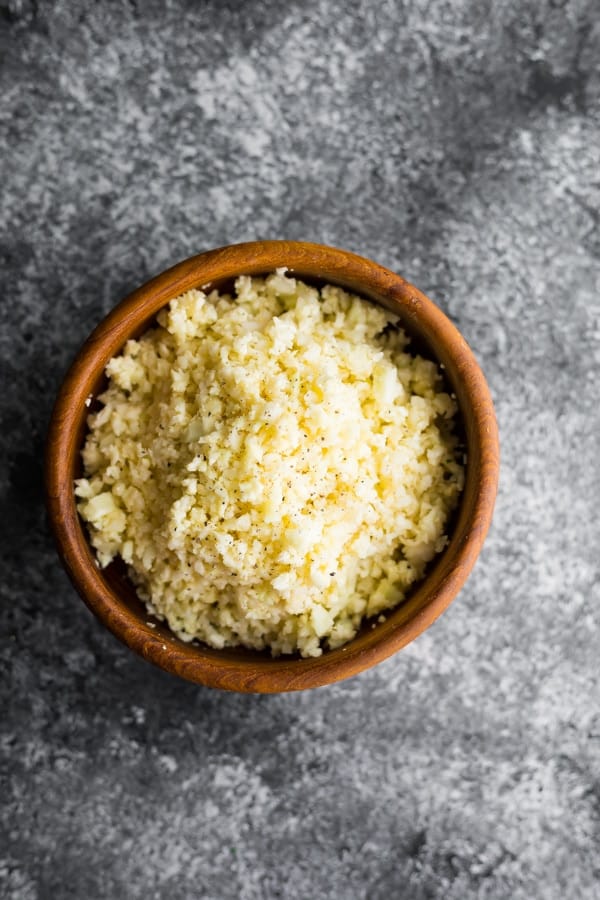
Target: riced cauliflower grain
pixel 273 467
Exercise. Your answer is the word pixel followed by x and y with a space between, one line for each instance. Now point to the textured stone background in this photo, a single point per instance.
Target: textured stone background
pixel 458 143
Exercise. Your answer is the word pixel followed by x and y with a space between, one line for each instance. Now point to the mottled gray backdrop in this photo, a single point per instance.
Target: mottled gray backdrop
pixel 459 144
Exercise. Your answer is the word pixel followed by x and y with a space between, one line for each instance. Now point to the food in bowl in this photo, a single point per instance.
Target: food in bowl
pixel 272 467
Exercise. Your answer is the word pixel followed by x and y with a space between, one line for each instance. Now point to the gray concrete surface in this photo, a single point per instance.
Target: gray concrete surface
pixel 458 143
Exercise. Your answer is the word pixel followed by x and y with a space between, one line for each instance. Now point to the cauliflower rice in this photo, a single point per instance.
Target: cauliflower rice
pixel 271 468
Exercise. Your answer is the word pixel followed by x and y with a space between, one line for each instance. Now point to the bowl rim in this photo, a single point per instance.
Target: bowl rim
pixel 249 671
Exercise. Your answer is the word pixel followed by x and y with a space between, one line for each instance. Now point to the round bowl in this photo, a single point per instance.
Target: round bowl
pixel 110 595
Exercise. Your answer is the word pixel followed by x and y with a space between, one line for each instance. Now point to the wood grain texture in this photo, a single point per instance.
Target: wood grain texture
pixel 108 593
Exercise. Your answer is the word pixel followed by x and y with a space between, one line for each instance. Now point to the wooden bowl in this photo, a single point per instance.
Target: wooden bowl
pixel 109 594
